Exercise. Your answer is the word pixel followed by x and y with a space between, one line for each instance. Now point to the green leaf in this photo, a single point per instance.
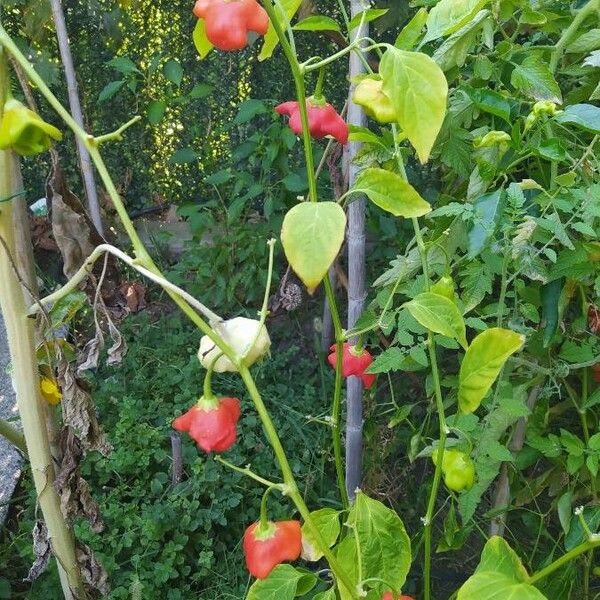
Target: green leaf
pixel 203 46
pixel 327 521
pixel 201 90
pixel 312 234
pixel 487 211
pixel 383 542
pixel 482 363
pixel 124 65
pixel 156 111
pixel 63 310
pixel 371 14
pixel 582 116
pixel 328 595
pixel 418 90
pixel 173 71
pixel 588 41
pixel 281 584
pixel 563 506
pixel 499 576
pixel 248 110
pixel 440 315
pixel 448 16
pixel 317 23
pixel 109 90
pixel 490 101
pixel 550 297
pixel 183 156
pixel 391 193
pixel 291 8
pixel 534 79
pixel 411 32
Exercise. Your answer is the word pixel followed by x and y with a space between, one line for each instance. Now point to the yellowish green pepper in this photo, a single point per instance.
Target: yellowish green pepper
pixel 24 131
pixel 370 95
pixel 458 470
pixel 445 287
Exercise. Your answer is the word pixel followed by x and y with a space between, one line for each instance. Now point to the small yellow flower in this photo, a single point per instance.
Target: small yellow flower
pixel 50 390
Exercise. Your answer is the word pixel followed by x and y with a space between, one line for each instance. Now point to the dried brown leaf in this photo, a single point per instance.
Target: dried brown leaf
pixel 41 550
pixel 92 571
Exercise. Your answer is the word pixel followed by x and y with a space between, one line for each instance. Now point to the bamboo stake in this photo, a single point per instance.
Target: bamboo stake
pixel 87 172
pixel 356 275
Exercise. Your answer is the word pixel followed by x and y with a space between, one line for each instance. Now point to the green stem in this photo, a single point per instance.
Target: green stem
pixel 564 559
pixel 13 435
pixel 264 512
pixel 503 287
pixel 208 392
pixel 298 75
pixel 291 489
pixel 336 409
pixel 439 401
pixel 591 7
pixel 248 472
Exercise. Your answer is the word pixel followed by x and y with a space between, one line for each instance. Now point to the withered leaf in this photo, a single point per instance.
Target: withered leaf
pixel 92 571
pixel 41 550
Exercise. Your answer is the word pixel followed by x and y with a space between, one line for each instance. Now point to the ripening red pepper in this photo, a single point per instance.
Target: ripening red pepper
pixel 229 21
pixel 594 319
pixel 354 362
pixel 323 120
pixel 390 596
pixel 278 542
pixel 211 423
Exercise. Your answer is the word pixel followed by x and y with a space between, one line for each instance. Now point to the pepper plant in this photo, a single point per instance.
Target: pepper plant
pixel 365 548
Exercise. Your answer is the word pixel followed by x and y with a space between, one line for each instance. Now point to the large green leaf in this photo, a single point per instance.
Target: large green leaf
pixel 411 32
pixel 271 40
pixel 534 79
pixel 392 193
pixel 448 16
pixel 312 235
pixel 499 576
pixel 482 363
pixel 418 90
pixel 382 541
pixel 583 116
pixel 327 521
pixel 440 315
pixel 283 583
pixel 203 46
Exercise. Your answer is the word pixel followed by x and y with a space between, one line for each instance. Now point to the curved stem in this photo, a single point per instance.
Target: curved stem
pixel 248 472
pixel 591 7
pixel 564 559
pixel 264 512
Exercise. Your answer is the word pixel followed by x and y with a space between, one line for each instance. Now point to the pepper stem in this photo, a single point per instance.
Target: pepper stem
pixel 208 397
pixel 264 525
pixel 318 95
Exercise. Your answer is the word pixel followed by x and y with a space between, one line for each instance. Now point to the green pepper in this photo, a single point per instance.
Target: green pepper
pixel 370 95
pixel 458 470
pixel 24 131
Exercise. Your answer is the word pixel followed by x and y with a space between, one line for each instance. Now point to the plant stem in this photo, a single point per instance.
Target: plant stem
pixel 564 559
pixel 298 76
pixel 248 472
pixel 13 435
pixel 439 401
pixel 291 489
pixel 591 7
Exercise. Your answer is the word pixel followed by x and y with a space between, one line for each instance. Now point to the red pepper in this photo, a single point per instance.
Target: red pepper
pixel 390 596
pixel 212 423
pixel 594 319
pixel 354 362
pixel 264 550
pixel 596 372
pixel 323 120
pixel 229 21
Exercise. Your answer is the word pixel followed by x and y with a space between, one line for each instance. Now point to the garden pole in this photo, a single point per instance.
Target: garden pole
pixel 356 273
pixel 20 335
pixel 87 173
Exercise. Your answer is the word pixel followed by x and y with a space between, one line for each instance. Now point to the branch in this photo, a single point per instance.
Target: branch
pixel 88 265
pixel 13 435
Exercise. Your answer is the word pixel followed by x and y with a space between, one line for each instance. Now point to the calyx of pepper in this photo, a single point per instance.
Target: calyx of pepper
pixel 24 131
